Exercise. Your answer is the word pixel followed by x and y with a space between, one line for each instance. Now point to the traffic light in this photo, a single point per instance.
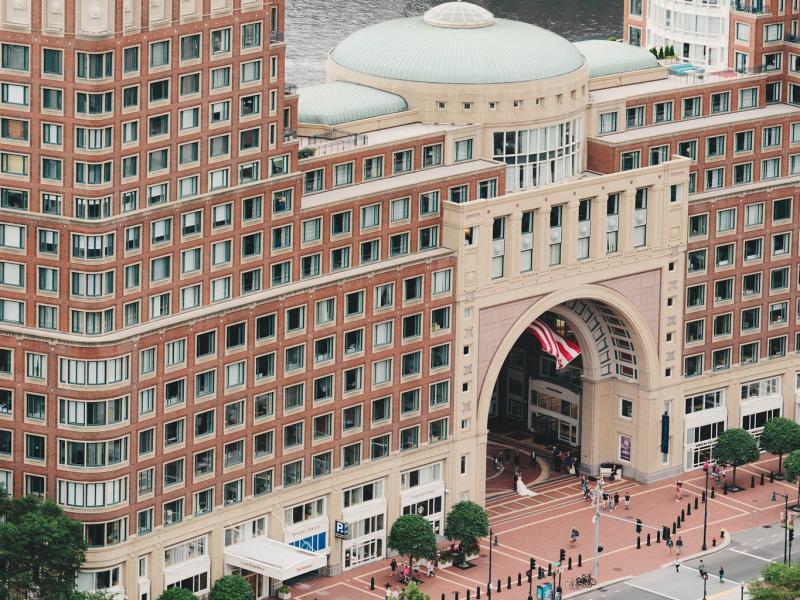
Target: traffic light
pixel 638 526
pixel 791 534
pixel 562 555
pixel 533 564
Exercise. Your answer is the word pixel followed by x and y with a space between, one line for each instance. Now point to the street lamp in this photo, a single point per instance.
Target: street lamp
pixel 705 510
pixel 705 585
pixel 530 578
pixel 786 522
pixel 489 587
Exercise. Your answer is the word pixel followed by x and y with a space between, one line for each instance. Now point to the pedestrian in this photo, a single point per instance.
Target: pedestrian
pixel 508 454
pixel 573 537
pixel 406 573
pixel 393 567
pixel 701 568
pixel 516 479
pixel 388 590
pixel 610 506
pixel 395 595
pixel 616 500
pixel 669 546
pixel 677 566
pixel 627 500
pixel 679 545
pixel 533 457
pixel 430 569
pixel 604 500
pixel 678 490
pixel 721 574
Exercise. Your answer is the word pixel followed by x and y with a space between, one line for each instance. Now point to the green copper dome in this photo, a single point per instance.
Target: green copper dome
pixel 605 57
pixel 457 43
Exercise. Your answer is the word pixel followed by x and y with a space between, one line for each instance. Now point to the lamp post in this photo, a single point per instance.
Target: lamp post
pixel 705 585
pixel 489 587
pixel 786 522
pixel 705 510
pixel 530 579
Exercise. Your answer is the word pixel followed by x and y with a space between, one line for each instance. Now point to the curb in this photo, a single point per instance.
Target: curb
pixel 599 586
pixel 712 550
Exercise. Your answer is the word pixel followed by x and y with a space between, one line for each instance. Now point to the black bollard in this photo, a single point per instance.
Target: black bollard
pixel 638 542
pixel 456 593
pixel 712 493
pixel 519 579
pixel 569 564
pixel 752 481
pixel 509 582
pixel 495 543
pixel 696 501
pixel 549 569
pixel 714 542
pixel 722 534
pixel 580 560
pixel 689 509
pixel 478 593
pixel 771 477
pixel 679 522
pixel 658 537
pixel 371 583
pixel 468 591
pixel 443 597
pixel 674 527
pixel 683 515
pixel 499 587
pixel 725 489
pixel 648 539
pixel 703 498
pixel 762 477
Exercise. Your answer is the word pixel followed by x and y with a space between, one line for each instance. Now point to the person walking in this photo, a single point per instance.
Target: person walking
pixel 627 500
pixel 679 545
pixel 393 567
pixel 677 566
pixel 533 457
pixel 701 568
pixel 610 502
pixel 616 500
pixel 388 590
pixel 573 537
pixel 721 574
pixel 670 543
pixel 430 569
pixel 516 479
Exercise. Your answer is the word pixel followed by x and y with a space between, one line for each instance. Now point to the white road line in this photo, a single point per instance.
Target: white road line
pixel 751 555
pixel 649 591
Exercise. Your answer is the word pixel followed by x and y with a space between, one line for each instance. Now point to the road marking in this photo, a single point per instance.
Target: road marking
pixel 751 555
pixel 649 591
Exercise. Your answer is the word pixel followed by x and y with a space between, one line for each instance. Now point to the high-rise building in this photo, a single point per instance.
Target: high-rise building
pixel 244 327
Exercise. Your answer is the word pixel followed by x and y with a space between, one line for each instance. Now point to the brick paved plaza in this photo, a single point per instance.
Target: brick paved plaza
pixel 539 527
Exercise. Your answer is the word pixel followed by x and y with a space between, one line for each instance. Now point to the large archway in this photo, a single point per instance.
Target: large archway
pixel 599 408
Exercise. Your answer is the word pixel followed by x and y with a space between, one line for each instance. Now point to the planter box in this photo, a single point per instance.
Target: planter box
pixel 285 595
pixel 606 471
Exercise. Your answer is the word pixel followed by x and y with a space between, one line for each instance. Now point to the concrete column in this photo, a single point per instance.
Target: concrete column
pixel 513 236
pixel 569 233
pixel 541 239
pixel 597 245
pixel 626 204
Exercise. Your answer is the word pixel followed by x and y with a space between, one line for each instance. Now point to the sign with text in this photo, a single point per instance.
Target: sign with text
pixel 341 529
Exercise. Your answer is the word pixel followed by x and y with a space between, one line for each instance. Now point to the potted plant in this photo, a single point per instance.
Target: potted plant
pixel 285 592
pixel 306 152
pixel 607 468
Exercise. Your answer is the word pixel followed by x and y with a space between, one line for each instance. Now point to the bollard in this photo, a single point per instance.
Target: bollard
pixel 371 583
pixel 495 543
pixel 478 593
pixel 696 501
pixel 683 515
pixel 540 574
pixel 752 481
pixel 648 539
pixel 443 596
pixel 703 498
pixel 725 489
pixel 456 593
pixel 722 534
pixel 762 477
pixel 658 537
pixel 712 493
pixel 689 509
pixel 569 564
pixel 580 560
pixel 468 594
pixel 638 542
pixel 771 477
pixel 679 522
pixel 519 579
pixel 509 582
pixel 713 542
pixel 674 527
pixel 499 587
pixel 549 569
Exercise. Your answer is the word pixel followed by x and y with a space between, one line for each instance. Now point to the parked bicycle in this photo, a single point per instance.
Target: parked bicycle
pixel 585 580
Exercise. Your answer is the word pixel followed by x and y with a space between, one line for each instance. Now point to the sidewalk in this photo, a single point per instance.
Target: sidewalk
pixel 539 527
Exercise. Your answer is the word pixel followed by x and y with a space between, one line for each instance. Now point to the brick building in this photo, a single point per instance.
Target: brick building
pixel 241 320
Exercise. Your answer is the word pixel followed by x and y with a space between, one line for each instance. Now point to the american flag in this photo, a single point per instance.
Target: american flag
pixel 563 350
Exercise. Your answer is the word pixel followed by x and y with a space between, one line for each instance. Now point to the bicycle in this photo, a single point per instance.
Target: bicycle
pixel 585 580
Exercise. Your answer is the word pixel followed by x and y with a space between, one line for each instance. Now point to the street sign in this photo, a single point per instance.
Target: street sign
pixel 341 529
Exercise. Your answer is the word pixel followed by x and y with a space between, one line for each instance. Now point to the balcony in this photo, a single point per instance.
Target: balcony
pixel 755 7
pixel 289 134
pixel 792 39
pixel 276 37
pixel 290 89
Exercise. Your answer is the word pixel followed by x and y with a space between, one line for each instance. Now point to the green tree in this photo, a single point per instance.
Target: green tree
pixel 780 436
pixel 781 582
pixel 411 536
pixel 412 592
pixel 661 52
pixel 654 52
pixel 177 593
pixel 231 587
pixel 791 469
pixel 466 522
pixel 736 447
pixel 41 549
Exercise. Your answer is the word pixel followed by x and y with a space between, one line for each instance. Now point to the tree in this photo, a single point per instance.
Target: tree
pixel 177 593
pixel 780 436
pixel 411 535
pixel 661 52
pixel 736 447
pixel 791 468
pixel 41 549
pixel 412 592
pixel 231 587
pixel 654 52
pixel 466 522
pixel 781 582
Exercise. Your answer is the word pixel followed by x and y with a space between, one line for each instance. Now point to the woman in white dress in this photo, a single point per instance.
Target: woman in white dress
pixel 523 490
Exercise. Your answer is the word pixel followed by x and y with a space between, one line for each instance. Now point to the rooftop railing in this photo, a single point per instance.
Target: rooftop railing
pixel 276 37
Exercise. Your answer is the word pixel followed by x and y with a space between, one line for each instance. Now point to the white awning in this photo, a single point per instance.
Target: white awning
pixel 274 559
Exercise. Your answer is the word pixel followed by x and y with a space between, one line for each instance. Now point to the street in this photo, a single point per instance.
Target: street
pixel 749 552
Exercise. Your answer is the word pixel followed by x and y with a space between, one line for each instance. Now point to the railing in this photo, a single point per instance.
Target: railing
pixel 792 39
pixel 290 89
pixel 289 134
pixel 323 145
pixel 276 37
pixel 756 8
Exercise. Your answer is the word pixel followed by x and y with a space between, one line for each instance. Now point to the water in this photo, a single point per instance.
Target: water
pixel 314 27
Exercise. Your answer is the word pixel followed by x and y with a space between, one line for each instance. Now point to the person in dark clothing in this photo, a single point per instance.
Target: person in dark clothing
pixel 508 455
pixel 516 479
pixel 516 458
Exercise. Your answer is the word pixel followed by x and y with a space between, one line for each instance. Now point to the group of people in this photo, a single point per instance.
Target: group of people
pixel 608 501
pixel 408 572
pixel 564 461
